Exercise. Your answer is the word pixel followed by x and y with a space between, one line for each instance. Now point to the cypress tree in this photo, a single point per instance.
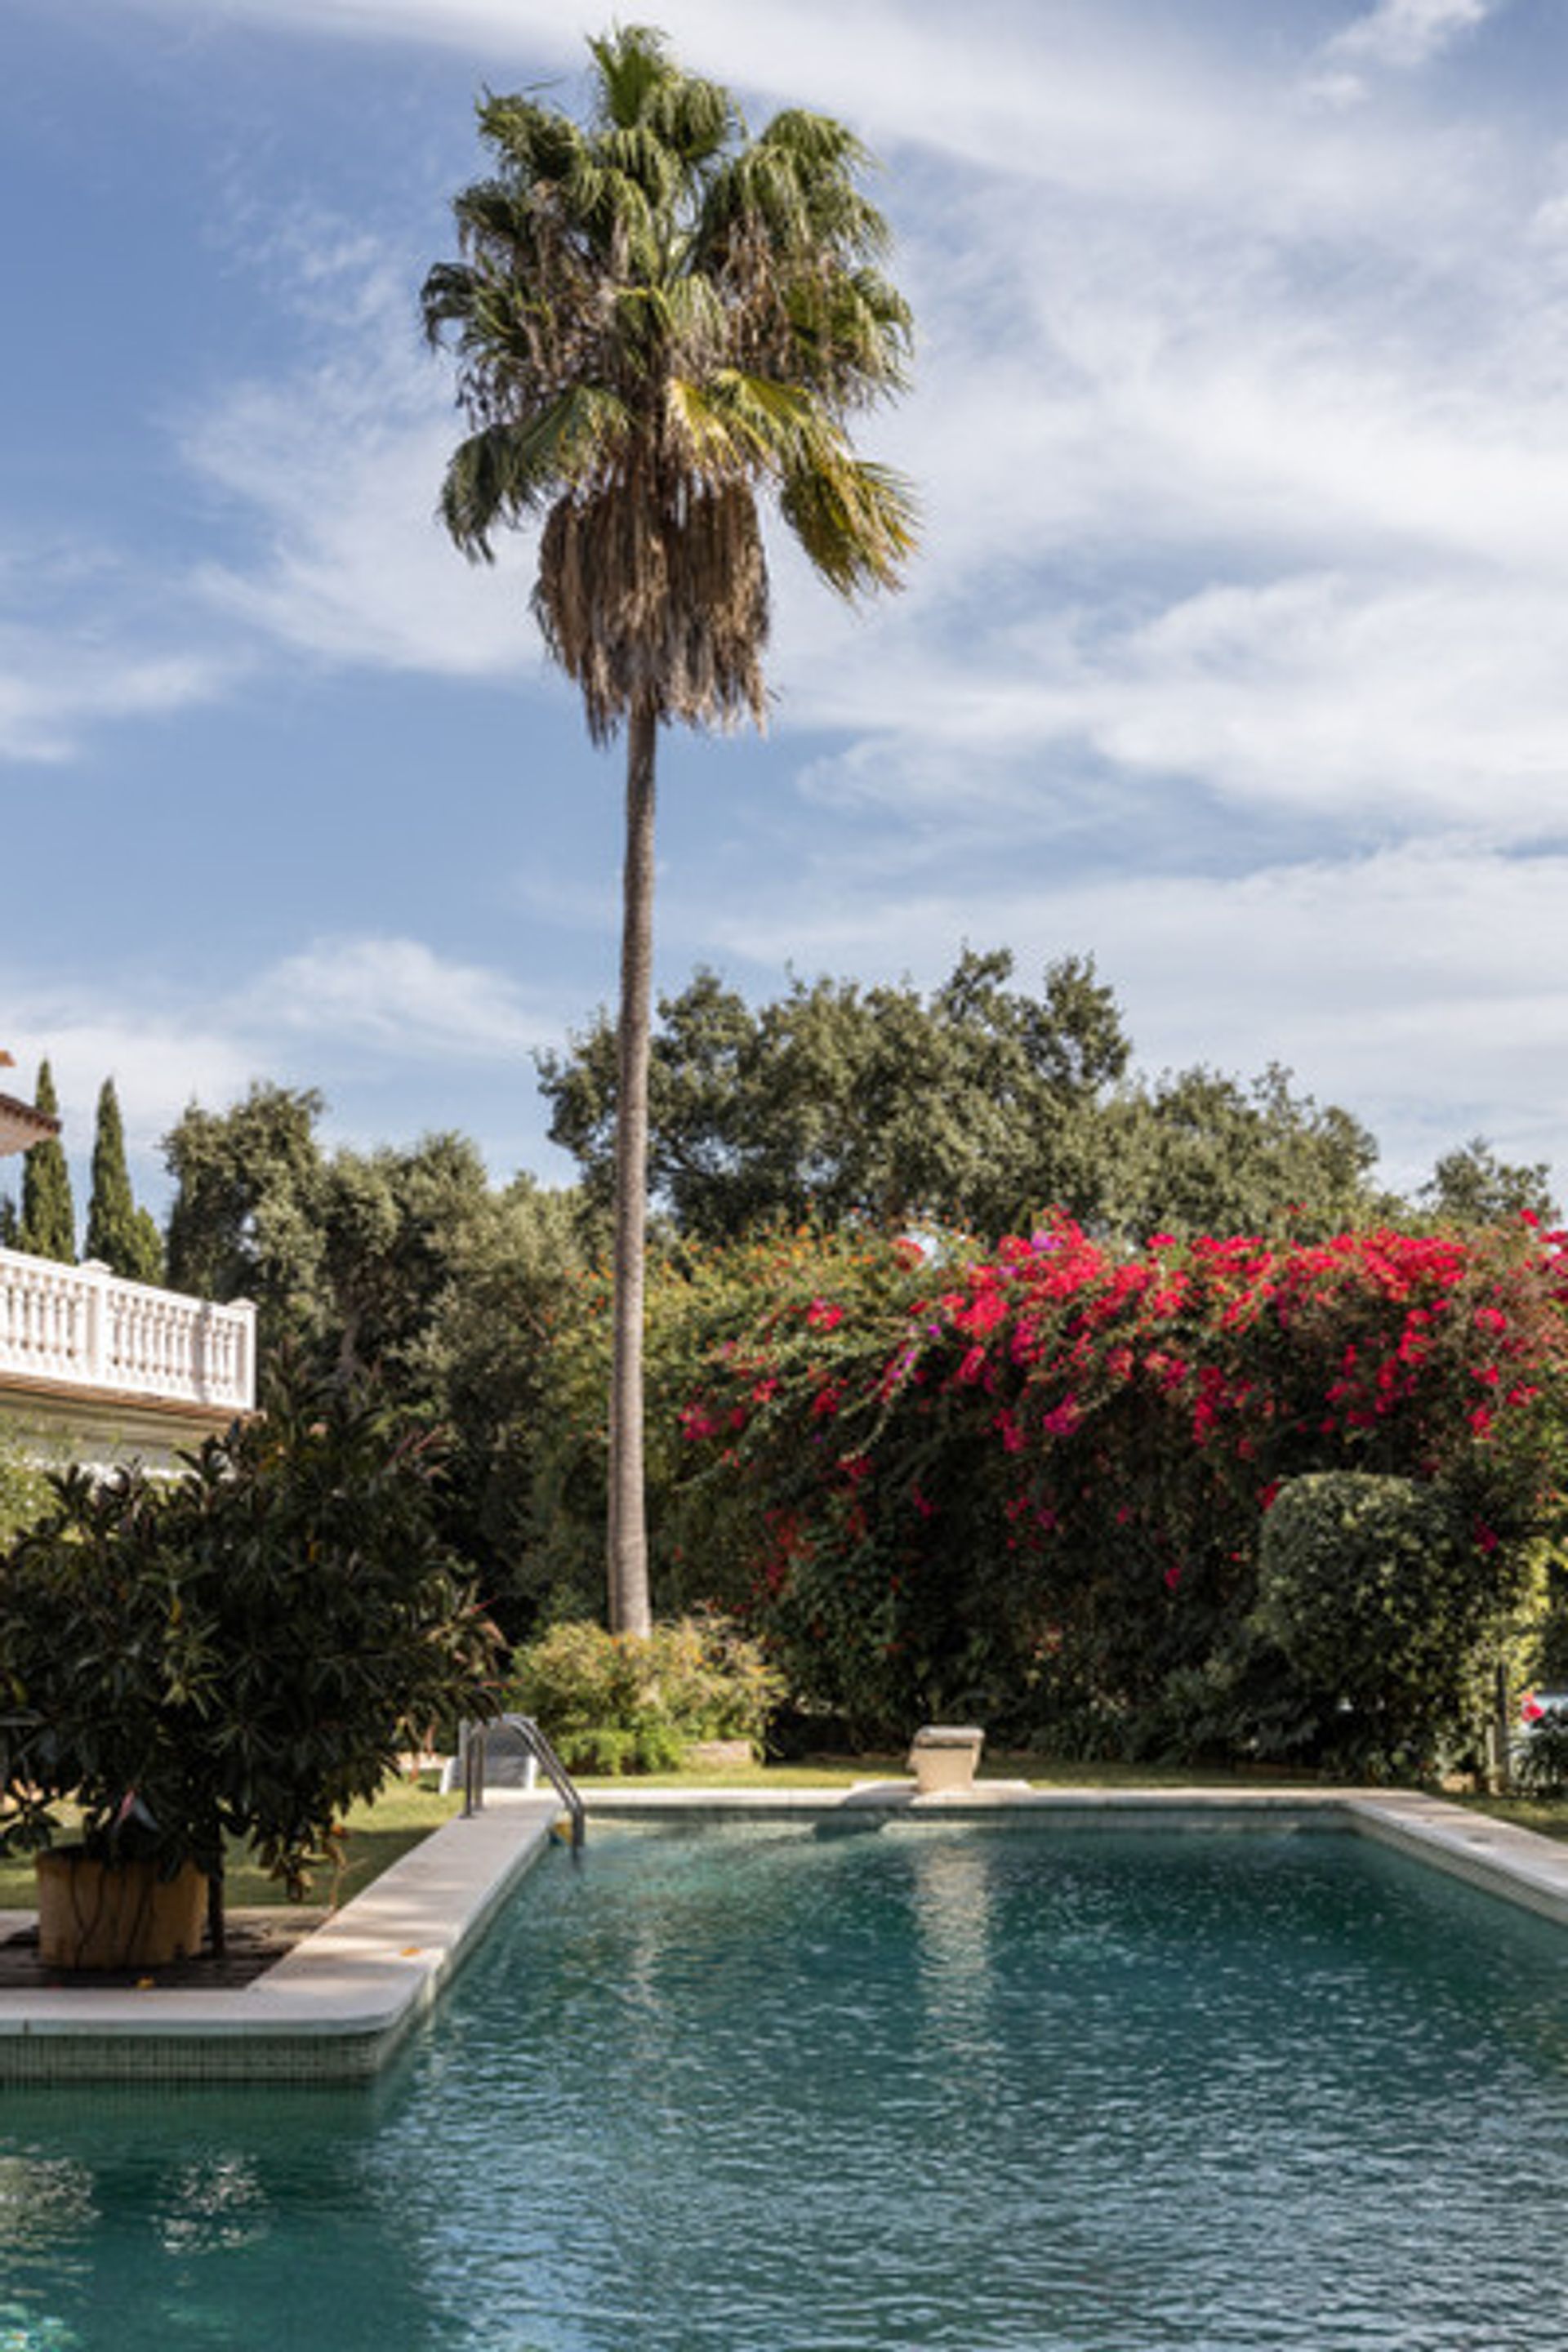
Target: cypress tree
pixel 48 1212
pixel 119 1235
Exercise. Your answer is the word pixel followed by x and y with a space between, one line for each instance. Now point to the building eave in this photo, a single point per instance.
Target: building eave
pixel 21 1126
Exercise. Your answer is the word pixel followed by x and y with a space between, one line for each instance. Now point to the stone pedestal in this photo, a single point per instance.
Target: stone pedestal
pixel 944 1756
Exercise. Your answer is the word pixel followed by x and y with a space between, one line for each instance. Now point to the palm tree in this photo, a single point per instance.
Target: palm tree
pixel 655 318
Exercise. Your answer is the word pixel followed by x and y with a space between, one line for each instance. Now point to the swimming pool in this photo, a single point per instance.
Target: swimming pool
pixel 760 2091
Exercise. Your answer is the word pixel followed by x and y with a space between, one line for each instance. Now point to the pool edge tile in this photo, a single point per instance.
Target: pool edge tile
pixel 336 2007
pixel 331 2010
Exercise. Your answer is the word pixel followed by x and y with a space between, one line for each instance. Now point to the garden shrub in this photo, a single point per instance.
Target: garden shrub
pixel 1386 1621
pixel 1033 1484
pixel 1539 1765
pixel 613 1703
pixel 25 1490
pixel 244 1650
pixel 1029 1485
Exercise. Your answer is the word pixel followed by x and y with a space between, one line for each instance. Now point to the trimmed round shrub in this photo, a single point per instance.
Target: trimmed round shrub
pixel 1384 1614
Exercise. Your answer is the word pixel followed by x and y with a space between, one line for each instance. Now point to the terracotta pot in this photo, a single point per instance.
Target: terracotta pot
pixel 95 1915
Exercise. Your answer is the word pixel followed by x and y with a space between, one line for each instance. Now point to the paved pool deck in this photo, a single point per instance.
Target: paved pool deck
pixel 337 2006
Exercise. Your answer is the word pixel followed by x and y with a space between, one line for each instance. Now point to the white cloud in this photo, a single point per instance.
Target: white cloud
pixel 394 996
pixel 53 690
pixel 1408 33
pixel 336 470
pixel 1424 987
pixel 1241 430
pixel 1372 708
pixel 159 1053
pixel 382 1026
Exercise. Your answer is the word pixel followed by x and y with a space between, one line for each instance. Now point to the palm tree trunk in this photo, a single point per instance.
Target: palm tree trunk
pixel 628 1592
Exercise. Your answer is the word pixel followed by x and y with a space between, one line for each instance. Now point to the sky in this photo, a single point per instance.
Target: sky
pixel 1236 655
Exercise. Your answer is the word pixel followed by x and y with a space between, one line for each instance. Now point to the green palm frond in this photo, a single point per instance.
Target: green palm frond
pixel 857 523
pixel 823 145
pixel 656 318
pixel 632 62
pixel 536 143
pixel 515 469
pixel 733 426
pixel 639 85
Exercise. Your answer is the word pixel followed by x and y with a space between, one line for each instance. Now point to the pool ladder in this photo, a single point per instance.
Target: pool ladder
pixel 472 1737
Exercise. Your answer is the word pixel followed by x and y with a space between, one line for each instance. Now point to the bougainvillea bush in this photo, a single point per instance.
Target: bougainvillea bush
pixel 707 1304
pixel 1032 1485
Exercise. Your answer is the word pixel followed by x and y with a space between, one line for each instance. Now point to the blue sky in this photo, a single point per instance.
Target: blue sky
pixel 1237 654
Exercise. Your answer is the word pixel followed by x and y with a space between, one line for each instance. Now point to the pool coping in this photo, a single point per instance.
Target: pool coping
pixel 335 2008
pixel 331 2010
pixel 1517 1865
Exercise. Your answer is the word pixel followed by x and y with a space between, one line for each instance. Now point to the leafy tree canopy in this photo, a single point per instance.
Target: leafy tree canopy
pixel 978 1105
pixel 48 1212
pixel 119 1235
pixel 246 1220
pixel 401 1260
pixel 1471 1186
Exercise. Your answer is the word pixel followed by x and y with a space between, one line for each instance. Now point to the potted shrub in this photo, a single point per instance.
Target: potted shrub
pixel 239 1653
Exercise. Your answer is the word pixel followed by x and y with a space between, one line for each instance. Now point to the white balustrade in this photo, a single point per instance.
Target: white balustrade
pixel 83 1327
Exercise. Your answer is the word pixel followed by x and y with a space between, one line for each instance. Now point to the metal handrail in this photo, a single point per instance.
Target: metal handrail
pixel 471 1748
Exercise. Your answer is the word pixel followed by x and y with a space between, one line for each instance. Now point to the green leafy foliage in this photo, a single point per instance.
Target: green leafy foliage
pixel 1540 1763
pixel 979 1105
pixel 245 1650
pixel 1471 1186
pixel 48 1227
pixel 404 1260
pixel 613 1703
pixel 245 1221
pixel 1368 1592
pixel 1031 1487
pixel 119 1235
pixel 25 1490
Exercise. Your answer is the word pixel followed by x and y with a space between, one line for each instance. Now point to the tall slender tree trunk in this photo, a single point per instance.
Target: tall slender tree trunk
pixel 628 1592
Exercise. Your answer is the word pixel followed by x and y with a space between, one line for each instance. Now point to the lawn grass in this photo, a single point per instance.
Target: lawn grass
pixel 1546 1815
pixel 401 1815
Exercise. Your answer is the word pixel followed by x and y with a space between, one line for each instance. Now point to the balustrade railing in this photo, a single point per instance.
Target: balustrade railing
pixel 85 1328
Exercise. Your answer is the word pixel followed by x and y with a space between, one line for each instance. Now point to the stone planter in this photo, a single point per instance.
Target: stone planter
pixel 95 1915
pixel 944 1757
pixel 720 1755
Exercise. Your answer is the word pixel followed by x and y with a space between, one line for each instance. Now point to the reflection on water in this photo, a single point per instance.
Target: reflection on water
pixel 753 2092
pixel 22 2330
pixel 45 2200
pixel 211 2205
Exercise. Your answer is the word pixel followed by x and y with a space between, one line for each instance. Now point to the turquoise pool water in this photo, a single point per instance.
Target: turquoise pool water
pixel 758 2090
